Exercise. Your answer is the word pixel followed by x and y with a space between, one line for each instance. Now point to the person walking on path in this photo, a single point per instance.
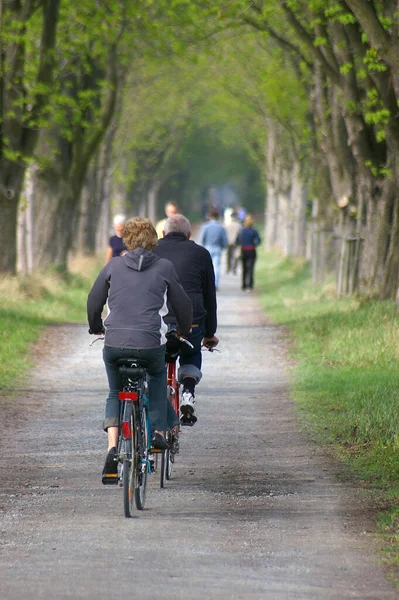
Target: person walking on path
pixel 194 268
pixel 116 246
pixel 170 209
pixel 213 237
pixel 248 238
pixel 137 288
pixel 233 228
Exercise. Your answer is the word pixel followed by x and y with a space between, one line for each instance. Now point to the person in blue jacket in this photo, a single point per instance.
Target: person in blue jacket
pixel 214 238
pixel 248 238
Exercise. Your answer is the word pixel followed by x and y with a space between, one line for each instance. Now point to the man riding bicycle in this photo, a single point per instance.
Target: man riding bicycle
pixel 137 288
pixel 194 268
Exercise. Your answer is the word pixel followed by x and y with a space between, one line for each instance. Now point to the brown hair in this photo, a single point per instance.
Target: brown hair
pixel 214 213
pixel 248 221
pixel 139 232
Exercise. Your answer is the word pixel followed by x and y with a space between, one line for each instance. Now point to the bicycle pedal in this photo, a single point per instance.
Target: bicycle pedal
pixel 155 451
pixel 110 479
pixel 187 423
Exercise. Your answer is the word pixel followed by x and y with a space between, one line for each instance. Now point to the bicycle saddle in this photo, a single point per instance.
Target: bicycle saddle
pixel 130 362
pixel 134 368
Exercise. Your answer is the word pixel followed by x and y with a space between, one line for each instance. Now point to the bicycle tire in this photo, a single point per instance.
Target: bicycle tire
pixel 141 455
pixel 163 468
pixel 169 459
pixel 175 402
pixel 128 473
pixel 128 487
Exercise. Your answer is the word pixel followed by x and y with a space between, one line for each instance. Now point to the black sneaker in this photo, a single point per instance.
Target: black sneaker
pixel 110 470
pixel 158 442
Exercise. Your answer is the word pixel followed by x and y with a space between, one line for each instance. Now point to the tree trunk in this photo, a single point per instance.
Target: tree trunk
pixel 153 200
pixel 17 135
pixel 298 203
pixel 25 226
pixel 10 189
pixel 57 201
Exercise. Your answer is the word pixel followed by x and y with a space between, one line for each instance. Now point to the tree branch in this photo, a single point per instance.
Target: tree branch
pixel 366 15
pixel 282 41
pixel 307 39
pixel 46 68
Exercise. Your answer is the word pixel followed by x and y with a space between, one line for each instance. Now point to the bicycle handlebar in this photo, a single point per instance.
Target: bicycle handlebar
pixel 210 348
pixel 101 337
pixel 173 333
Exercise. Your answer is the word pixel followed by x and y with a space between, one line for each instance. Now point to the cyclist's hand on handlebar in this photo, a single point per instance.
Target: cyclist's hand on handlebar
pixel 210 342
pixel 99 332
pixel 183 335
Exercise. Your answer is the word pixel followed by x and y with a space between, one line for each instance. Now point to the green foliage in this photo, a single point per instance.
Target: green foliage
pixel 374 62
pixel 346 68
pixel 320 41
pixel 378 171
pixel 204 117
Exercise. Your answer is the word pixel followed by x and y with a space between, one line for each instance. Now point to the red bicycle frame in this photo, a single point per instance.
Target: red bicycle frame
pixel 173 387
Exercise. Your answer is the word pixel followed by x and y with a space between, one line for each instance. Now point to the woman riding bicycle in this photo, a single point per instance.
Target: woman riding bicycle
pixel 137 288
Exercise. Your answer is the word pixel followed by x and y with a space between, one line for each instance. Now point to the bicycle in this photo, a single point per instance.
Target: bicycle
pixel 134 436
pixel 172 353
pixel 134 440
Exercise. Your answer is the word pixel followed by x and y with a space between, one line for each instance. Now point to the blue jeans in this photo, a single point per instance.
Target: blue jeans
pixel 162 416
pixel 190 359
pixel 216 254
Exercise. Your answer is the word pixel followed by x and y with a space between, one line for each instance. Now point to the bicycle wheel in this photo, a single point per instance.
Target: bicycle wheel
pixel 128 467
pixel 169 460
pixel 170 452
pixel 128 487
pixel 163 468
pixel 173 436
pixel 141 455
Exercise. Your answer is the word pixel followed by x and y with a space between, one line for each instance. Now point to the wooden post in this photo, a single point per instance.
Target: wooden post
pixel 341 268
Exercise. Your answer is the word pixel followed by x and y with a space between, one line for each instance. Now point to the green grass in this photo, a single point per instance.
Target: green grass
pixel 28 304
pixel 346 376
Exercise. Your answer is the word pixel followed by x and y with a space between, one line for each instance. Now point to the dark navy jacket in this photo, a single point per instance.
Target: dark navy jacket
pixel 194 268
pixel 248 238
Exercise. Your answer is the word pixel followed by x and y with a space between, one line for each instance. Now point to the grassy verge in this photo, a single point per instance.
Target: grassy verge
pixel 345 382
pixel 28 304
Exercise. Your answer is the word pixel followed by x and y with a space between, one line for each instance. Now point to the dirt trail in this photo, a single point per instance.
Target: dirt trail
pixel 254 509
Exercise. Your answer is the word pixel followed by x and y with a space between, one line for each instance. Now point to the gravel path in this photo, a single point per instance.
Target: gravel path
pixel 254 510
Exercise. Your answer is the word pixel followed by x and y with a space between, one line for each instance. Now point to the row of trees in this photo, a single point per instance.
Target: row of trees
pixel 111 101
pixel 62 70
pixel 345 54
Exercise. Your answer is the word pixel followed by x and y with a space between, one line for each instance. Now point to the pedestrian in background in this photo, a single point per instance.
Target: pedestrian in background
pixel 116 246
pixel 248 238
pixel 233 228
pixel 241 213
pixel 171 208
pixel 213 237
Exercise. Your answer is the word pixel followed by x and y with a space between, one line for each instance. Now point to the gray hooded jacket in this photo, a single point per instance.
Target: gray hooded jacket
pixel 138 287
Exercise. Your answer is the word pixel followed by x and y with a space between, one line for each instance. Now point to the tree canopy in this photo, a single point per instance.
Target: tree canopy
pixel 295 102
